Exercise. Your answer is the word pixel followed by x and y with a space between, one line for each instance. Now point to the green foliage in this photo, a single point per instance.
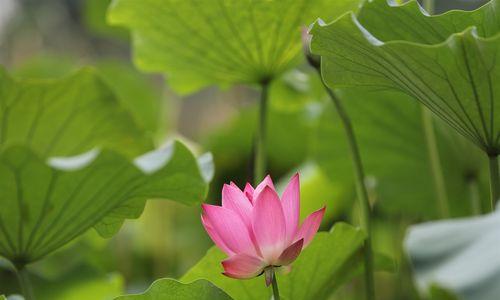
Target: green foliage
pixel 46 201
pixel 82 287
pixel 323 266
pixel 390 134
pixel 66 117
pixel 44 206
pixel 94 17
pixel 133 90
pixel 232 143
pixel 200 43
pixel 173 290
pixel 438 293
pixel 448 63
pixel 135 93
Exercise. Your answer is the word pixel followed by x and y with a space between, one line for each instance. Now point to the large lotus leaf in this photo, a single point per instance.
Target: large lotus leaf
pixel 174 290
pixel 45 204
pixel 220 42
pixel 133 90
pixel 323 266
pixel 66 116
pixel 389 130
pixel 448 62
pixel 459 255
pixel 137 95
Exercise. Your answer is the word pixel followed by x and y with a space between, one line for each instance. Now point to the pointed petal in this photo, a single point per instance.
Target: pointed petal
pixel 249 192
pixel 234 199
pixel 269 225
pixel 242 266
pixel 230 228
pixel 291 253
pixel 266 182
pixel 291 207
pixel 234 185
pixel 215 237
pixel 310 226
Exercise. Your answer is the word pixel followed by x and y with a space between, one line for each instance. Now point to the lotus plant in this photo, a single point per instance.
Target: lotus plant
pixel 258 230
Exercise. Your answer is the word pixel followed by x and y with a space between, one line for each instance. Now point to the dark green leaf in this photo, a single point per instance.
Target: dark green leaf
pixel 448 62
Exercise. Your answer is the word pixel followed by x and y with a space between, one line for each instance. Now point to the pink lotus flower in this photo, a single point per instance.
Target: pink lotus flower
pixel 258 230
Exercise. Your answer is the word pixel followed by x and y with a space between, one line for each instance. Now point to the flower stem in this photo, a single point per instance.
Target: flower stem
pixel 494 180
pixel 435 161
pixel 25 283
pixel 361 191
pixel 432 148
pixel 260 158
pixel 276 292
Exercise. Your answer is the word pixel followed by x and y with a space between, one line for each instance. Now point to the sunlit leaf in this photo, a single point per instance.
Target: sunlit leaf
pixel 174 290
pixel 448 62
pixel 66 116
pixel 327 262
pixel 223 42
pixel 44 205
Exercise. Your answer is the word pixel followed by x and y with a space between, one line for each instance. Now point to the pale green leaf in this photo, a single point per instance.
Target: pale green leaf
pixel 66 116
pixel 136 94
pixel 171 289
pixel 133 90
pixel 448 62
pixel 321 268
pixel 199 43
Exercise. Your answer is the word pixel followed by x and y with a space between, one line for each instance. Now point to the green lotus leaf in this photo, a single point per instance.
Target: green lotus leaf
pixel 47 203
pixel 330 260
pixel 66 116
pixel 173 290
pixel 447 62
pixel 221 42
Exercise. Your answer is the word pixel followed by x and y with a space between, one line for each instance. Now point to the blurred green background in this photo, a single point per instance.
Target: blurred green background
pixel 52 38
